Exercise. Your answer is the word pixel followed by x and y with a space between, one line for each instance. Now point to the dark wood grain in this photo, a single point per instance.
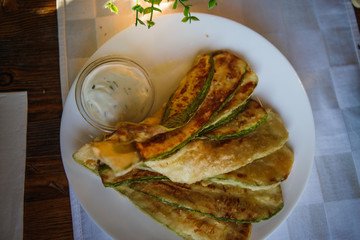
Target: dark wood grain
pixel 29 61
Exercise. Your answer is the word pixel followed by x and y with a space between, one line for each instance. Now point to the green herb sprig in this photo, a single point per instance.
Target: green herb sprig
pixel 139 10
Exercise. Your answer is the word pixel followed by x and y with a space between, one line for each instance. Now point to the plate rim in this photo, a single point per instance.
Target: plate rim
pixel 202 16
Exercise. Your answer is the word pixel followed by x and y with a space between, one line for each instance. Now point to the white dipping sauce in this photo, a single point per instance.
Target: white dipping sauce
pixel 115 93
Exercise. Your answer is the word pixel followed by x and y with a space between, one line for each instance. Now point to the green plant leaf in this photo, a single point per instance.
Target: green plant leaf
pixel 138 8
pixel 148 10
pixel 156 9
pixel 212 3
pixel 185 19
pixel 186 11
pixel 193 18
pixel 150 23
pixel 175 4
pixel 113 8
pixel 141 22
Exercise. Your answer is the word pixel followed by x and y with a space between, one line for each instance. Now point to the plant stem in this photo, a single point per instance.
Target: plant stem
pixel 137 13
pixel 152 12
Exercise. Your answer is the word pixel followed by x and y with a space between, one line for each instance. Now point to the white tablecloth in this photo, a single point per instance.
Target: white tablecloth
pixel 321 40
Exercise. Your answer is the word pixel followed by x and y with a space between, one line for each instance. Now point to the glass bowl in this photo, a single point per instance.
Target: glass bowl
pixel 113 89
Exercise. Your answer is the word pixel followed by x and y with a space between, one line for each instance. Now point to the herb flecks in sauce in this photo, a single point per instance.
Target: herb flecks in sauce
pixel 114 94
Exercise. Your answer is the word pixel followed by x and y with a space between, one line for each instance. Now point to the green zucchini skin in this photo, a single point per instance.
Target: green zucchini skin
pixel 224 120
pixel 263 173
pixel 229 94
pixel 236 104
pixel 186 224
pixel 245 122
pixel 201 159
pixel 109 179
pixel 252 116
pixel 223 202
pixel 174 116
pixel 252 196
pixel 145 173
pixel 229 71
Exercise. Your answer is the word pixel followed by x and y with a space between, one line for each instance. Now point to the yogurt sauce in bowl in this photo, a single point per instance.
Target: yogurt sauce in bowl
pixel 112 90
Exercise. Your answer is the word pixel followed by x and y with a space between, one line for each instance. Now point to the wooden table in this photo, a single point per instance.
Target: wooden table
pixel 29 61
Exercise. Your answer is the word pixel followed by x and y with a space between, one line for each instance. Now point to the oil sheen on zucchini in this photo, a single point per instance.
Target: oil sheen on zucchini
pixel 263 173
pixel 116 149
pixel 223 202
pixel 110 152
pixel 186 224
pixel 85 157
pixel 190 93
pixel 236 104
pixel 109 179
pixel 247 121
pixel 229 70
pixel 127 132
pixel 201 159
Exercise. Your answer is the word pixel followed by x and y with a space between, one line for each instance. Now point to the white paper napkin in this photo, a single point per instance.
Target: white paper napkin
pixel 13 123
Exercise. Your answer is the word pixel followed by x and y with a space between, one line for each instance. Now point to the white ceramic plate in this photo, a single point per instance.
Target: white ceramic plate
pixel 167 51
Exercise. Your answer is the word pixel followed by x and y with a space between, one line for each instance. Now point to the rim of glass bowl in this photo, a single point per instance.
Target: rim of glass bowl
pixel 91 67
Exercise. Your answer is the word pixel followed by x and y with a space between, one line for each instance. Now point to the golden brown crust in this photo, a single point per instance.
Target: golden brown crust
pixel 186 92
pixel 228 74
pixel 261 173
pixel 187 224
pixel 129 132
pixel 201 159
pixel 224 202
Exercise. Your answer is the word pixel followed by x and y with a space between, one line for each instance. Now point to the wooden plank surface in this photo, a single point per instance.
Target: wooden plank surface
pixel 29 61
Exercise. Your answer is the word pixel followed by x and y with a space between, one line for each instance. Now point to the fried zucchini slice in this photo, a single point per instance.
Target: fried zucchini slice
pixel 223 202
pixel 247 121
pixel 198 160
pixel 263 173
pixel 120 157
pixel 236 105
pixel 109 179
pixel 127 132
pixel 86 157
pixel 190 93
pixel 117 149
pixel 202 159
pixel 187 224
pixel 229 70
